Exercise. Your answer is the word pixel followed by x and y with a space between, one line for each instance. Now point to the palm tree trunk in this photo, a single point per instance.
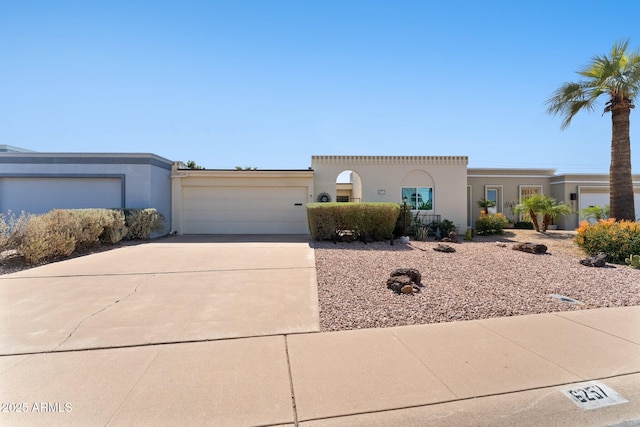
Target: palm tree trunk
pixel 546 221
pixel 534 219
pixel 621 201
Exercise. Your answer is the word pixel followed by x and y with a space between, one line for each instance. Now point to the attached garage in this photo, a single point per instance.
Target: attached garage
pixel 593 197
pixel 599 196
pixel 39 194
pixel 241 202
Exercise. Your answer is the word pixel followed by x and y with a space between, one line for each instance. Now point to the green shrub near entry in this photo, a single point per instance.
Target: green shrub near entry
pixel 372 220
pixel 491 224
pixel 616 239
pixel 523 225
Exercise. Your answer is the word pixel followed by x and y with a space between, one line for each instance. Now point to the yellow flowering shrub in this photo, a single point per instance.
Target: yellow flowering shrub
pixel 617 239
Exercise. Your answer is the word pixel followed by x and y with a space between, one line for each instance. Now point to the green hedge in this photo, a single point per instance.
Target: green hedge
pixel 371 220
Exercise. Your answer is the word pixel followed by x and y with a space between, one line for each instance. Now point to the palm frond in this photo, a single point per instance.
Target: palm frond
pixel 571 98
pixel 616 74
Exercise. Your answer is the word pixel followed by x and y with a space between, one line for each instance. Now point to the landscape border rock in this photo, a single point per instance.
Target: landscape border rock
pixel 405 281
pixel 532 248
pixel 599 260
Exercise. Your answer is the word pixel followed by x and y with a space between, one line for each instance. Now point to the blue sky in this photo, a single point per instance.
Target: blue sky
pixel 268 83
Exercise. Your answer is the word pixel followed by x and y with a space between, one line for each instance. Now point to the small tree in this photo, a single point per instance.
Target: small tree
pixel 547 207
pixel 553 210
pixel 595 212
pixel 192 165
pixel 485 204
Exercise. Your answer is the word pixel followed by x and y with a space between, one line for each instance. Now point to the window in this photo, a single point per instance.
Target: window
pixel 419 198
pixel 492 195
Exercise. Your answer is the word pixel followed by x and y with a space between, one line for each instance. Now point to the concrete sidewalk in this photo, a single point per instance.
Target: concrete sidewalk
pixel 213 331
pixel 507 371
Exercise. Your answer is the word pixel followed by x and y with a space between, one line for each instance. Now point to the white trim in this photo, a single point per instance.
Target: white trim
pixel 510 176
pixel 499 187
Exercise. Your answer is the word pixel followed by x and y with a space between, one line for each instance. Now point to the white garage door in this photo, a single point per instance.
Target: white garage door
pixel 245 210
pixel 39 195
pixel 590 198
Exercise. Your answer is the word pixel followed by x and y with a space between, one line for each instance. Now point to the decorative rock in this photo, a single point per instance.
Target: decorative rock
pixel 413 274
pixel 532 248
pixel 404 239
pixel 407 289
pixel 502 245
pixel 595 261
pixel 405 281
pixel 444 248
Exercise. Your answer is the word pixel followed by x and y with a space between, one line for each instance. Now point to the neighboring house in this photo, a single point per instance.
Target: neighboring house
pixel 38 182
pixel 508 187
pixel 273 201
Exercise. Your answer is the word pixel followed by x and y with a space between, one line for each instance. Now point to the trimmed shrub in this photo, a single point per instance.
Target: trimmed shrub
pixel 367 219
pixel 115 228
pixel 61 232
pixel 616 239
pixel 11 229
pixel 43 237
pixel 88 225
pixel 446 226
pixel 491 223
pixel 5 233
pixel 141 223
pixel 523 225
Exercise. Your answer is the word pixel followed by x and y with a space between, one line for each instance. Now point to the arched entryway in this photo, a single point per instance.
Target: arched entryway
pixel 348 187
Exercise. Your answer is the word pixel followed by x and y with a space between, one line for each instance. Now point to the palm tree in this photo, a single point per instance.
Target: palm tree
pixel 552 211
pixel 530 207
pixel 618 77
pixel 485 204
pixel 547 207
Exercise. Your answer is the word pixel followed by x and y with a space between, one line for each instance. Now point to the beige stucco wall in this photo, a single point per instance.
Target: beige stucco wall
pixel 382 179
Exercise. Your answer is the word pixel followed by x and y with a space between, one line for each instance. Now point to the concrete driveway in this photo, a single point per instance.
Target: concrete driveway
pixel 177 289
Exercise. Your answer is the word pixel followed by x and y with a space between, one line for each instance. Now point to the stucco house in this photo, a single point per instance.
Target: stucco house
pixel 273 201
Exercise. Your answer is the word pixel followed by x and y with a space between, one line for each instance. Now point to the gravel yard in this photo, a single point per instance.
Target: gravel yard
pixel 480 280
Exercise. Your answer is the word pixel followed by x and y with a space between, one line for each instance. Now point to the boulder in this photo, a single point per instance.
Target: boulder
pixel 412 273
pixel 407 289
pixel 595 261
pixel 532 248
pixel 444 248
pixel 404 281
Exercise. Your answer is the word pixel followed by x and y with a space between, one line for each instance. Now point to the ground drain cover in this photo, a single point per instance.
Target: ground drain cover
pixel 566 299
pixel 593 395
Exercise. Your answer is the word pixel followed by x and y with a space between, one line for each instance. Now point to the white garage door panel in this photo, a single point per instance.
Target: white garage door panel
pixel 244 210
pixel 39 195
pixel 592 198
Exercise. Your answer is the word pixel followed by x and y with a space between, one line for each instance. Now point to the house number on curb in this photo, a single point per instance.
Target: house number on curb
pixel 593 395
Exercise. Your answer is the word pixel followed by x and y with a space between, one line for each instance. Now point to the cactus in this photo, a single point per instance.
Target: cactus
pixel 633 261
